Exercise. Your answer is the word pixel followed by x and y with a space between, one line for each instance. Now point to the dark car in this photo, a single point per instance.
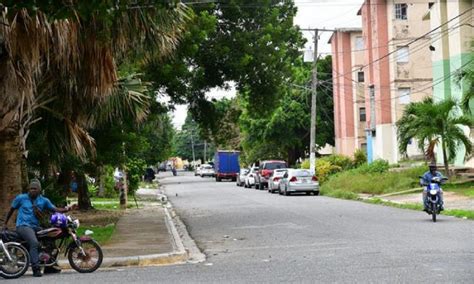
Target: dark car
pixel 265 171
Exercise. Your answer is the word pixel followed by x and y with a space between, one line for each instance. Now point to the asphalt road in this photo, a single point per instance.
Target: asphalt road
pixel 252 236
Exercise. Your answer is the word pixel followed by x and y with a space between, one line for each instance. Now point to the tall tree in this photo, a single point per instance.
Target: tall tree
pixel 71 50
pixel 434 124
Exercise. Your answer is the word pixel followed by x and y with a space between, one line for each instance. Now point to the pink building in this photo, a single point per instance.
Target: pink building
pixel 348 89
pixel 382 60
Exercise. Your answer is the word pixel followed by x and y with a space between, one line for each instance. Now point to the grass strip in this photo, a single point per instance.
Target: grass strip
pixel 101 233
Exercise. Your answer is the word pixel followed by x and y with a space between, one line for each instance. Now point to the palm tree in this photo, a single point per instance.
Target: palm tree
pixel 69 52
pixel 433 124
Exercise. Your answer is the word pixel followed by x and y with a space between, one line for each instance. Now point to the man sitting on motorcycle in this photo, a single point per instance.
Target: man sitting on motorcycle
pixel 426 180
pixel 30 206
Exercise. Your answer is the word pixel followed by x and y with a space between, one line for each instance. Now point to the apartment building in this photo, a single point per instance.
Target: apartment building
pixel 396 68
pixel 348 88
pixel 452 50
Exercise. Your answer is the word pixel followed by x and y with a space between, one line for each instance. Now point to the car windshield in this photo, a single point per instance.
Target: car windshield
pixel 244 171
pixel 301 173
pixel 274 165
pixel 207 167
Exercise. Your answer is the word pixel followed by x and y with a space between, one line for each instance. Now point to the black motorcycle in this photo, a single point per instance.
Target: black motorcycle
pixel 84 253
pixel 433 196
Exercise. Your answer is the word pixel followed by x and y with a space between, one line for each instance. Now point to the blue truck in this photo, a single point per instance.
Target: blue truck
pixel 226 164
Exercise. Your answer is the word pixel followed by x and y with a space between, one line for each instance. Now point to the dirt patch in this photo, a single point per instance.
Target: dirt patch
pixel 452 200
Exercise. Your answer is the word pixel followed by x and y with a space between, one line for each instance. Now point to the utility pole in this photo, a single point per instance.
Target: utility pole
pixel 192 145
pixel 205 151
pixel 314 85
pixel 371 128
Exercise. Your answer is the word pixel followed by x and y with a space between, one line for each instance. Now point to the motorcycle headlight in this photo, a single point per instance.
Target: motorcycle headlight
pixel 433 192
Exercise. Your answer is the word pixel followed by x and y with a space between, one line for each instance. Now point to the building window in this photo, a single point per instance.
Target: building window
pixel 401 11
pixel 360 77
pixel 402 54
pixel 362 114
pixel 363 146
pixel 359 43
pixel 404 96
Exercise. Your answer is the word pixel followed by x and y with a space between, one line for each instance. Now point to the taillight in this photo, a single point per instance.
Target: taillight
pixel 293 179
pixel 266 173
pixel 276 179
pixel 314 178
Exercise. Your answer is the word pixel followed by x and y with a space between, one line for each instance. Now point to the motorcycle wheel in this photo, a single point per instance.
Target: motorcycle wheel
pixel 88 263
pixel 19 264
pixel 433 212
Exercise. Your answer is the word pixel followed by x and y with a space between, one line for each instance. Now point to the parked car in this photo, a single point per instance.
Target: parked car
pixel 241 176
pixel 265 171
pixel 197 170
pixel 207 171
pixel 250 178
pixel 274 180
pixel 299 180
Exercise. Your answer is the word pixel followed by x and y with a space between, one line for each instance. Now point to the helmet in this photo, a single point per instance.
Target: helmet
pixel 58 220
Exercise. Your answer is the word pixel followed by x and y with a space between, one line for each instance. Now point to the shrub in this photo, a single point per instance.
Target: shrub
pixel 136 168
pixel 324 169
pixel 377 166
pixel 360 158
pixel 305 164
pixel 344 162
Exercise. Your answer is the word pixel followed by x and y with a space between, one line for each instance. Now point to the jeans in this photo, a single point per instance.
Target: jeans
pixel 29 235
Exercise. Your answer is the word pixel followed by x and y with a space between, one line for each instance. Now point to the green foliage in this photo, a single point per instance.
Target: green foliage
pixel 377 166
pixel 375 180
pixel 92 189
pixel 325 168
pixel 135 170
pixel 109 182
pixel 305 164
pixel 341 161
pixel 432 123
pixel 360 158
pixel 54 192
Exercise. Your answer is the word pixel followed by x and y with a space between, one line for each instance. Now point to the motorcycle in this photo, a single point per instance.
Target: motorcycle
pixel 14 260
pixel 433 196
pixel 84 253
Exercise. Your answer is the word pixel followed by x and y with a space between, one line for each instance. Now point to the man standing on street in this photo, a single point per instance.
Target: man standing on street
pixel 31 206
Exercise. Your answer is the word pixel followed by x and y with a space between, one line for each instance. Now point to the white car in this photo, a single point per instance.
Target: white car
pixel 299 180
pixel 250 178
pixel 207 171
pixel 241 176
pixel 274 180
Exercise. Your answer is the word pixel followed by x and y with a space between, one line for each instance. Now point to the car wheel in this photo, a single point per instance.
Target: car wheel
pixel 316 192
pixel 256 186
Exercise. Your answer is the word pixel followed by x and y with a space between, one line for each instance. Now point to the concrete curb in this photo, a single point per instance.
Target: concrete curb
pixel 177 256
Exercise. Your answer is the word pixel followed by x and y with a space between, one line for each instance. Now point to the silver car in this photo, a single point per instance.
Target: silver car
pixel 207 171
pixel 274 180
pixel 299 180
pixel 241 176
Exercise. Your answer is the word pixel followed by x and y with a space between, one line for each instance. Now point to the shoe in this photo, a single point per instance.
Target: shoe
pixel 37 272
pixel 52 269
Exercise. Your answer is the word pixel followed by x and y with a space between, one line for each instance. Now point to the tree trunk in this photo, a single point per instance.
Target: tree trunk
pixel 83 198
pixel 445 159
pixel 24 176
pixel 101 192
pixel 10 168
pixel 124 192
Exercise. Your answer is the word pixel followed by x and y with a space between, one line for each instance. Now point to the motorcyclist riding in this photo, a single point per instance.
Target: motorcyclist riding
pixel 30 206
pixel 426 180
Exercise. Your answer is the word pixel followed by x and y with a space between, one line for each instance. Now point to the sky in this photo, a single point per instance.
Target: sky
pixel 328 14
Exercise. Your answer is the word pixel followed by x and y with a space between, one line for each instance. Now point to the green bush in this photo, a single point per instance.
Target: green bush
pixel 344 162
pixel 136 169
pixel 305 164
pixel 324 169
pixel 377 166
pixel 360 158
pixel 109 182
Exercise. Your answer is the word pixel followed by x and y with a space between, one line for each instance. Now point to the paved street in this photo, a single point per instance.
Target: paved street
pixel 252 236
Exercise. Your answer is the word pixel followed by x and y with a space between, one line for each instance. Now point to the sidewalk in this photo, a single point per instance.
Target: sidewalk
pixel 144 237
